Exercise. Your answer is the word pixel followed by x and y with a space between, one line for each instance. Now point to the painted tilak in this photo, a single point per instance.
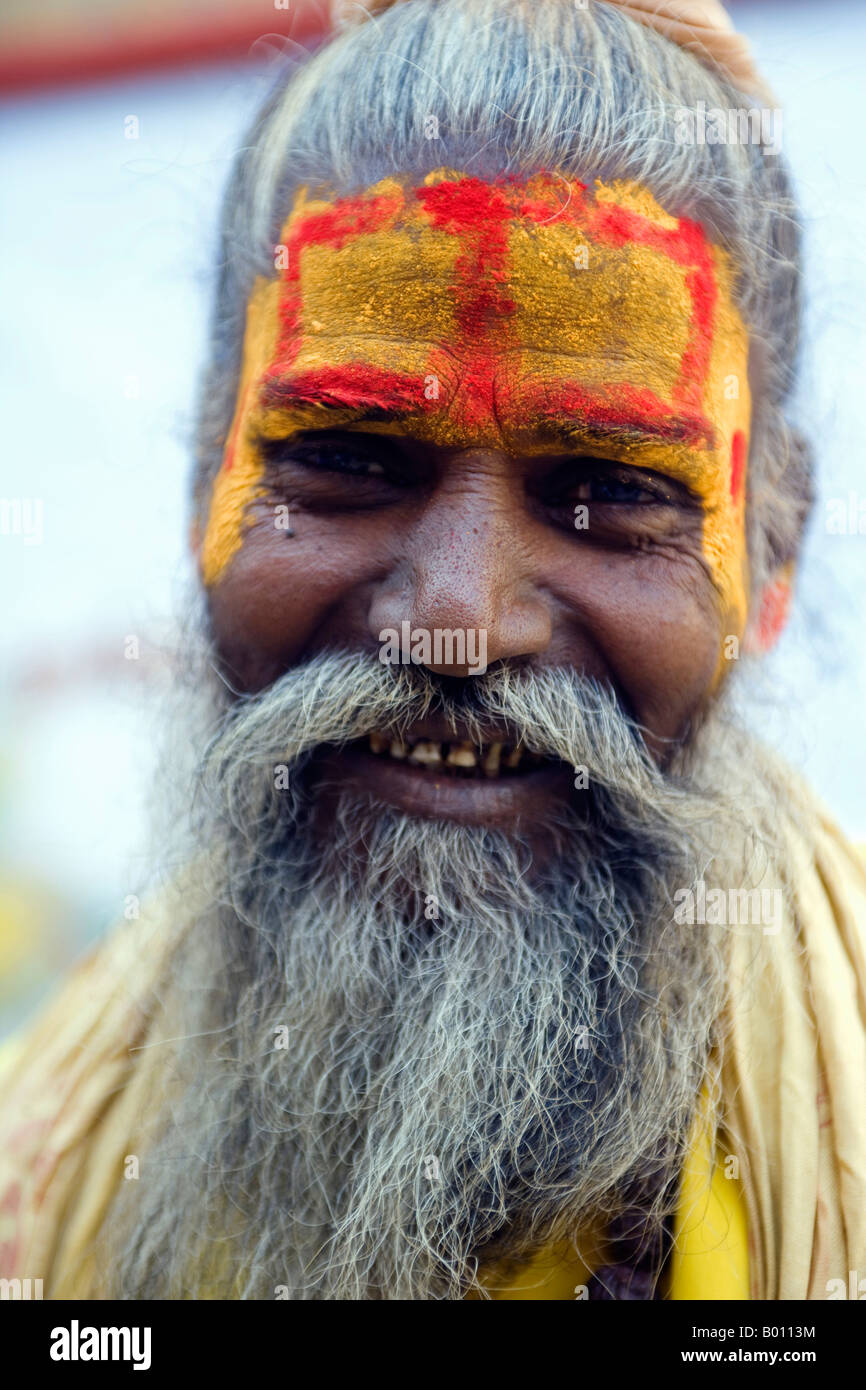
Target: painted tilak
pixel 532 315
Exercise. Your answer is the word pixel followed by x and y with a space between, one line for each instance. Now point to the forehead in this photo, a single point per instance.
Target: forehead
pixel 535 315
pixel 485 309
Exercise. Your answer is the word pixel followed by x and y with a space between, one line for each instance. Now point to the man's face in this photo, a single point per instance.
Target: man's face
pixel 517 409
pixel 437 386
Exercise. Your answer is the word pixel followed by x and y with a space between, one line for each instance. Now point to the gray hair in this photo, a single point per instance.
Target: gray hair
pixel 517 87
pixel 539 1035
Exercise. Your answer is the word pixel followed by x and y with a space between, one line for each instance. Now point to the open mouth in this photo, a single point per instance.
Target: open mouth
pixel 457 758
pixel 436 770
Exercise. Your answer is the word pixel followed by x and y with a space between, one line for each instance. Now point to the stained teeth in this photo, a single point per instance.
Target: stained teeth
pixel 461 755
pixel 428 753
pixel 491 760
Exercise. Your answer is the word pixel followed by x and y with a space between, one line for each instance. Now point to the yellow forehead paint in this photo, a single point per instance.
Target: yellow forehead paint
pixel 238 481
pixel 501 313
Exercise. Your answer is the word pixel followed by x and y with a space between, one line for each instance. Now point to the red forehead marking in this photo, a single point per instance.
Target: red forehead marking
pixel 546 204
pixel 622 408
pixel 684 244
pixel 738 462
pixel 353 385
pixel 348 218
pixel 477 213
pixel 334 226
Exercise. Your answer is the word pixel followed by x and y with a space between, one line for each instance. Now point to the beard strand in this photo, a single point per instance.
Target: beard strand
pixel 403 1053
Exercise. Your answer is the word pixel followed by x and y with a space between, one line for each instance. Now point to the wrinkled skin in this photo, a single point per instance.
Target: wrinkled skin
pixel 466 519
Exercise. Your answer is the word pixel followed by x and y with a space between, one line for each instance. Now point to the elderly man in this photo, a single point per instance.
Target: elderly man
pixel 497 960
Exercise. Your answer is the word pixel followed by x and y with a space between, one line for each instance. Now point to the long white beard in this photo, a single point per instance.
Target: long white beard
pixel 401 1061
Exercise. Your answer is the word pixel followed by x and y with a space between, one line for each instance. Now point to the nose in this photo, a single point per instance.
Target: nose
pixel 466 582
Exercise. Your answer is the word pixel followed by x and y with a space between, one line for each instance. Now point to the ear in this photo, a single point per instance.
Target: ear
pixel 766 625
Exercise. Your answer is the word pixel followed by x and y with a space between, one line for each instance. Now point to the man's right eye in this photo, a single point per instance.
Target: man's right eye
pixel 352 458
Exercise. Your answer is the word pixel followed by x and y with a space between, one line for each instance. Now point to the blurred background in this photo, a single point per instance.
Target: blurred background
pixel 118 124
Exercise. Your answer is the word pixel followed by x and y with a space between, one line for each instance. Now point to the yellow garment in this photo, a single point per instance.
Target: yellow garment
pixel 78 1085
pixel 554 1274
pixel 709 1259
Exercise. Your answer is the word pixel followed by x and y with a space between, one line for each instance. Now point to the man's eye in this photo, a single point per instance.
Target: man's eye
pixel 612 488
pixel 330 456
pixel 338 459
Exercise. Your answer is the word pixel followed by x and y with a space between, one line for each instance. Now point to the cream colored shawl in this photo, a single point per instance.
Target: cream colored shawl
pixel 794 1079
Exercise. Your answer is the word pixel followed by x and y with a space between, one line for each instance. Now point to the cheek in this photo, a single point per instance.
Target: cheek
pixel 284 596
pixel 656 619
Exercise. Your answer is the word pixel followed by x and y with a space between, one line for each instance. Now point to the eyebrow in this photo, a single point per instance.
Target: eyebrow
pixel 361 390
pixel 564 411
pixel 618 413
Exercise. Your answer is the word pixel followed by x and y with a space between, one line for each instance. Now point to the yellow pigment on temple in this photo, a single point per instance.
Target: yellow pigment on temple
pixel 238 482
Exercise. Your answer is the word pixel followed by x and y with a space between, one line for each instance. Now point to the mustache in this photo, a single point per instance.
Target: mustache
pixel 337 697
